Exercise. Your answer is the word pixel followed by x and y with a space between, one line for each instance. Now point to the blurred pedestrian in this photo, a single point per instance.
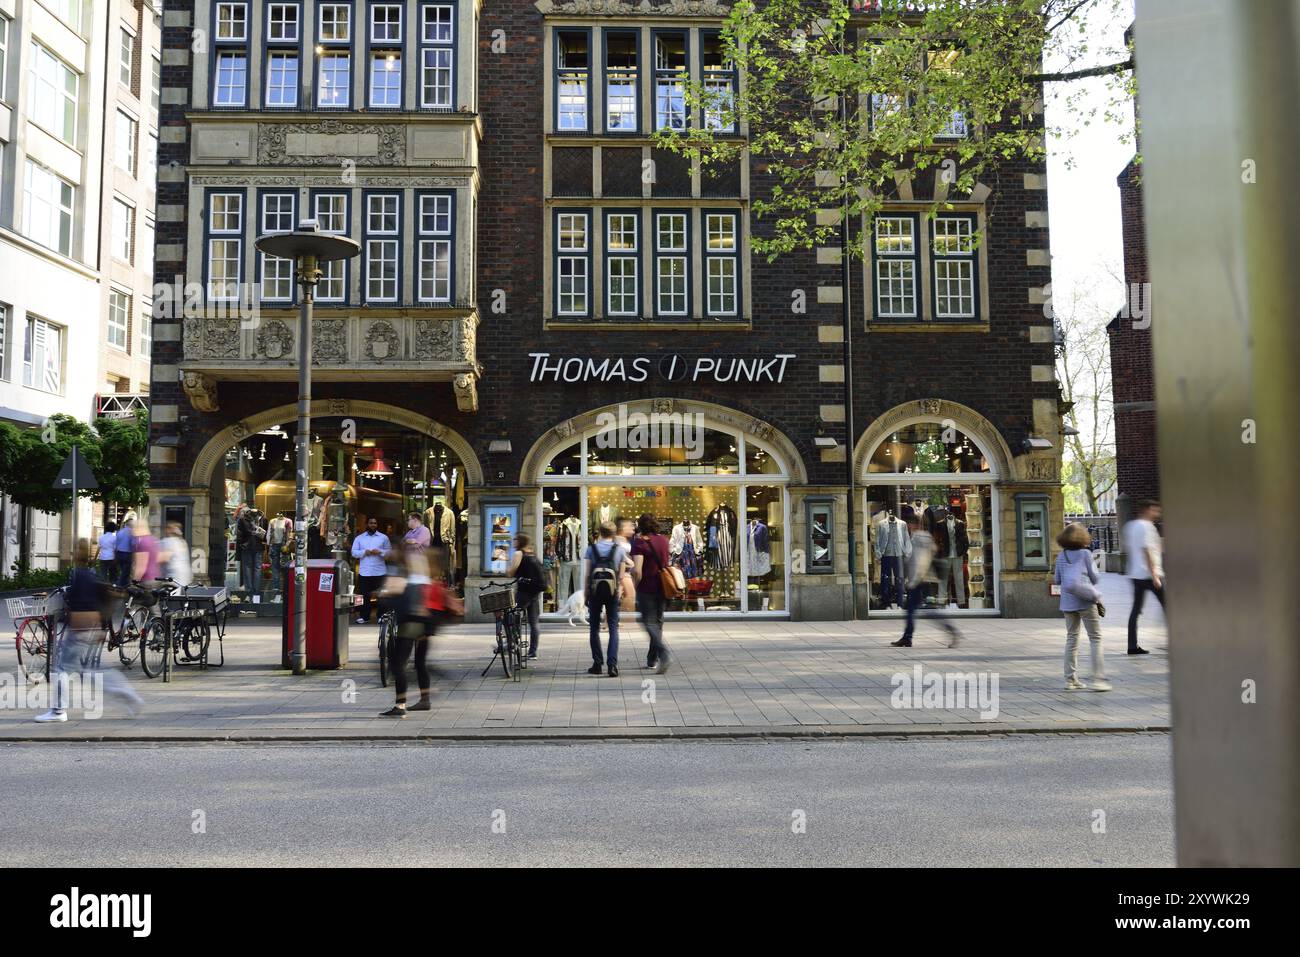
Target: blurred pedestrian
pixel 530 587
pixel 122 551
pixel 108 552
pixel 1081 605
pixel 87 598
pixel 423 603
pixel 919 573
pixel 605 562
pixel 417 535
pixel 649 559
pixel 176 556
pixel 145 553
pixel 371 549
pixel 1145 567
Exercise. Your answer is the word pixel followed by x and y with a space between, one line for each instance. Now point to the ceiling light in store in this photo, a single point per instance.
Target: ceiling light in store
pixel 377 466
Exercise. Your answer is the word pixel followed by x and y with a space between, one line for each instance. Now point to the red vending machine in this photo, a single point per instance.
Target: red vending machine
pixel 329 611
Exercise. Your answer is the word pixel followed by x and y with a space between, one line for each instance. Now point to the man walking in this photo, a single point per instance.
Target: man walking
pixel 918 571
pixel 606 561
pixel 370 548
pixel 107 553
pixel 1145 565
pixel 123 546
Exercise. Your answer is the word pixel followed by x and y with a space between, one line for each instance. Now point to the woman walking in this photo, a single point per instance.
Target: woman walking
pixel 408 588
pixel 527 571
pixel 1081 605
pixel 649 558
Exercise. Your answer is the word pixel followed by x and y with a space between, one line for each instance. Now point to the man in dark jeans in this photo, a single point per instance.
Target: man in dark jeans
pixel 606 561
pixel 1144 565
pixel 370 548
pixel 649 558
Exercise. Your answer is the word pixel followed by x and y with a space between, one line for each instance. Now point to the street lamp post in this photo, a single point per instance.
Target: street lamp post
pixel 308 248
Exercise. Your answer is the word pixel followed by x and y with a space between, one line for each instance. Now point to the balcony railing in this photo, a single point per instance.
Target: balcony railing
pixel 120 405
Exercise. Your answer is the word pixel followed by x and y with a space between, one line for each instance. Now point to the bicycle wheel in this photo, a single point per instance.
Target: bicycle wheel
pixel 154 649
pixel 503 647
pixel 517 646
pixel 128 642
pixel 33 644
pixel 196 637
pixel 385 626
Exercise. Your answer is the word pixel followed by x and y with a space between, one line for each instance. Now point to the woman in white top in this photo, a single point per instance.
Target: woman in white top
pixel 176 556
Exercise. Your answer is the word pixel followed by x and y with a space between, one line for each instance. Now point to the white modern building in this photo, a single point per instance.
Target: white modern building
pixel 79 95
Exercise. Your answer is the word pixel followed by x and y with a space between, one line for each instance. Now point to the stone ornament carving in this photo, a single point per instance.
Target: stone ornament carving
pixel 436 429
pixel 930 406
pixel 661 406
pixel 202 391
pixel 337 406
pixel 1041 469
pixel 465 349
pixel 272 139
pixel 192 337
pixel 329 341
pixel 622 8
pixel 466 389
pixel 761 430
pixel 432 339
pixel 274 340
pixel 382 341
pixel 565 429
pixel 221 339
pixel 240 431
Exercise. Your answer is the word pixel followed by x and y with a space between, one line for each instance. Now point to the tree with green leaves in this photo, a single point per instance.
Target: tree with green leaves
pixel 845 99
pixel 115 450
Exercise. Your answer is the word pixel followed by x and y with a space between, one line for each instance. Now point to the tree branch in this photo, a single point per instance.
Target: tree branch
pixel 1107 69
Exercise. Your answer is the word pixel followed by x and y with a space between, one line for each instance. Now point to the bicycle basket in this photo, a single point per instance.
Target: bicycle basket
pixel 493 597
pixel 34 606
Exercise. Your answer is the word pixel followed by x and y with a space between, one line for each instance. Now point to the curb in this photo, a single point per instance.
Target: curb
pixel 601 735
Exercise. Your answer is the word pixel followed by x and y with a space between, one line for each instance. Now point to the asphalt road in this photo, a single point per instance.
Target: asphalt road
pixel 981 802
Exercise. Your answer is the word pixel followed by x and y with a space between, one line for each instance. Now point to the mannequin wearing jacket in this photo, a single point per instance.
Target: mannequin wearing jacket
pixel 951 543
pixel 893 546
pixel 685 546
pixel 721 529
pixel 568 551
pixel 441 521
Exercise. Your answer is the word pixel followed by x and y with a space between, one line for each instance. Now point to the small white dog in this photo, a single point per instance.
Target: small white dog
pixel 575 606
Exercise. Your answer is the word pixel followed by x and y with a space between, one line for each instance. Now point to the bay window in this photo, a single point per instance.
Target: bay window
pixel 437 55
pixel 334 56
pixel 225 245
pixel 283 55
pixel 331 212
pixel 230 72
pixel 277 273
pixel 435 246
pixel 672 265
pixel 622 259
pixel 383 246
pixel 572 262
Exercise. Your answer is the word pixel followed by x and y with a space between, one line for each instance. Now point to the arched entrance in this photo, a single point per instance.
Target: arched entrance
pixel 367 460
pixel 941 464
pixel 715 480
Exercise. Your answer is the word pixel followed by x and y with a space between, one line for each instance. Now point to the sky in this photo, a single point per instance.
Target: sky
pixel 1083 199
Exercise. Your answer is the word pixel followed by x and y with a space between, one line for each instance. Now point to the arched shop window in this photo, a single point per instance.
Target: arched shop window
pixel 935 473
pixel 719 496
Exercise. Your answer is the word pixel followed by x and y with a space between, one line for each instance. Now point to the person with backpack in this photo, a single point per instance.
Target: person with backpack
pixel 650 565
pixel 605 562
pixel 1081 605
pixel 530 586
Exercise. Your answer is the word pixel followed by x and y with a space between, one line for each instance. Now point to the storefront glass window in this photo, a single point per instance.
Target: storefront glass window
pixel 667 448
pixel 958 518
pixel 928 447
pixel 764 536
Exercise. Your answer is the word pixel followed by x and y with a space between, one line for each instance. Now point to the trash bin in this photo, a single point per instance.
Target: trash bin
pixel 329 612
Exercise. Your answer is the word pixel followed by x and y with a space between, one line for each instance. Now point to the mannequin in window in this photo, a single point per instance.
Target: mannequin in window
pixel 893 546
pixel 951 543
pixel 685 547
pixel 760 549
pixel 568 553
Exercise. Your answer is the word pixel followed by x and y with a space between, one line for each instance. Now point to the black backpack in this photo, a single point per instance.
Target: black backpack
pixel 604 573
pixel 531 581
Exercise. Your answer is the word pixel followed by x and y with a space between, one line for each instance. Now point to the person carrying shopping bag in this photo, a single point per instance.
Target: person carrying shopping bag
pixel 1081 604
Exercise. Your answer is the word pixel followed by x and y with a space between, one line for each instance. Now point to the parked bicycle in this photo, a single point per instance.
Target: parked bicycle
pixel 39 620
pixel 511 646
pixel 387 630
pixel 136 619
pixel 181 635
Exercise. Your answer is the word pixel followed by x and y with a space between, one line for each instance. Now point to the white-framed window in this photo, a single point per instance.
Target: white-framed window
pixel 225 245
pixel 722 263
pixel 896 266
pixel 4 339
pixel 719 75
pixel 282 79
pixel 146 328
pixel 123 230
pixel 383 245
pixel 282 23
pixel 155 82
pixel 331 217
pixel 47 208
pixel 43 355
pixel 620 82
pixel 622 260
pixel 119 319
pixel 573 78
pixel 435 248
pixel 149 158
pixel 437 55
pixel 232 22
pixel 386 78
pixel 334 79
pixel 954 267
pixel 230 80
pixel 126 58
pixel 124 137
pixel 54 88
pixel 277 273
pixel 670 81
pixel 672 270
pixel 4 56
pixel 573 248
pixel 145 246
pixel 69 11
pixel 386 23
pixel 335 23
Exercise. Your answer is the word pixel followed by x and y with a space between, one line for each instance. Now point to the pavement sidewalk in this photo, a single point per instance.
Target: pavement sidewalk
pixel 730 679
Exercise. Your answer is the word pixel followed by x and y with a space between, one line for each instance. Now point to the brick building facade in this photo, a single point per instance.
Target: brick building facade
pixel 593 273
pixel 1132 380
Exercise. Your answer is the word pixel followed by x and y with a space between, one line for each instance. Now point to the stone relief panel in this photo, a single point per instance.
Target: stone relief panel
pixel 274 340
pixel 329 341
pixel 382 341
pixel 328 142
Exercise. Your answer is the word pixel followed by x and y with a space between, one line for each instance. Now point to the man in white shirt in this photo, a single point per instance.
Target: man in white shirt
pixel 107 553
pixel 1145 565
pixel 370 548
